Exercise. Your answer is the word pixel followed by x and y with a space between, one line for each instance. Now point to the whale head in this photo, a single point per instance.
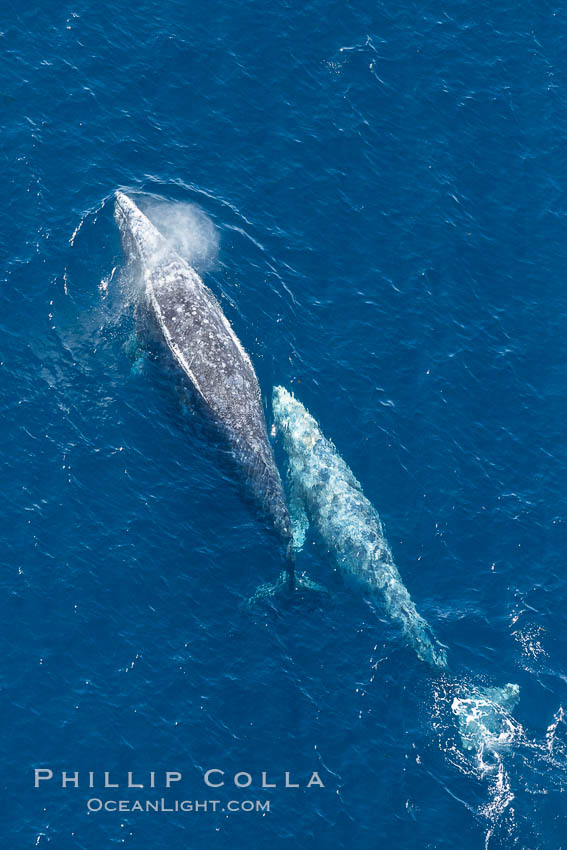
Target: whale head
pixel 141 240
pixel 293 422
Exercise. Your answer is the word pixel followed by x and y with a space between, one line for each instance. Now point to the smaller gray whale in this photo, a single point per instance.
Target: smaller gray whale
pixel 210 354
pixel 325 488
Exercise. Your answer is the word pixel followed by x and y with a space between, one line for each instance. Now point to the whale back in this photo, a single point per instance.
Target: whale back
pixel 208 351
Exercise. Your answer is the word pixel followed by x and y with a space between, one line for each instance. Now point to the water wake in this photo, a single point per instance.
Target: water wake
pixel 479 736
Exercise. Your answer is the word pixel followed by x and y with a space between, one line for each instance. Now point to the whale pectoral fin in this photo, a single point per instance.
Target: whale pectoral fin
pixel 269 593
pixel 139 365
pixel 303 582
pixel 135 354
pixel 265 593
pixel 298 516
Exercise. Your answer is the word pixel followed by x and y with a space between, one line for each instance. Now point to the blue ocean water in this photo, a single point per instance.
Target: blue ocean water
pixel 386 183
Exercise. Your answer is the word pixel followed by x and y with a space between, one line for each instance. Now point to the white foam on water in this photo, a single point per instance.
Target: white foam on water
pixel 479 736
pixel 475 730
pixel 484 719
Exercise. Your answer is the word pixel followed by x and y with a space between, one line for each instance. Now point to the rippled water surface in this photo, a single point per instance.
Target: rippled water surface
pixel 376 195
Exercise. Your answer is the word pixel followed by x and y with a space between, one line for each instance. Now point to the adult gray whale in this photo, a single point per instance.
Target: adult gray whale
pixel 210 354
pixel 325 488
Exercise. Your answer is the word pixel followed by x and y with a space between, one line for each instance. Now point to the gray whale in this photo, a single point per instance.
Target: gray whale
pixel 210 354
pixel 324 487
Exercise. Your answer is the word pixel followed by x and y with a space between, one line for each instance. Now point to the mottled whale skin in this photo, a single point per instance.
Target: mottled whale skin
pixel 333 500
pixel 210 354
